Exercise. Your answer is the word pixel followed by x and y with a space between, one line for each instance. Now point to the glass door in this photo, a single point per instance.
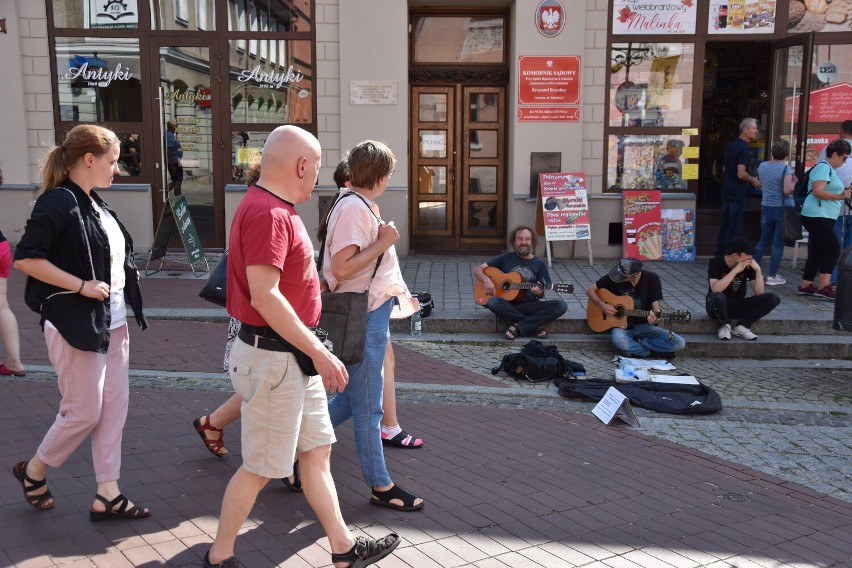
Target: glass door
pixel 186 105
pixel 791 91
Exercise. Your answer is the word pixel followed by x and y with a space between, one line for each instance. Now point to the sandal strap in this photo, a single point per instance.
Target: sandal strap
pixel 395 492
pixel 122 503
pixel 364 549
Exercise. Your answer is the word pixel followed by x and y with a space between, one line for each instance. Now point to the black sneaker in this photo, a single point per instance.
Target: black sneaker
pixel 366 552
pixel 231 562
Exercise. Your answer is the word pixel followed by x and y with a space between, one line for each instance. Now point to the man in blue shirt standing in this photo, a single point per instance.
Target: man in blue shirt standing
pixel 736 183
pixel 531 313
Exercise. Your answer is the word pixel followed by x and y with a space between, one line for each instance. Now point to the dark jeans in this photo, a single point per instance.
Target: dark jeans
pixel 747 310
pixel 823 246
pixel 732 221
pixel 527 317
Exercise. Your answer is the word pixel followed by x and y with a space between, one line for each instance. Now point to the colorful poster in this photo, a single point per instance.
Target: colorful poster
pixel 678 229
pixel 832 104
pixel 741 17
pixel 565 204
pixel 643 238
pixel 659 17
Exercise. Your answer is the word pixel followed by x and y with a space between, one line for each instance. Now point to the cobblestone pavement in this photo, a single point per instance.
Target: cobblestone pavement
pixel 786 418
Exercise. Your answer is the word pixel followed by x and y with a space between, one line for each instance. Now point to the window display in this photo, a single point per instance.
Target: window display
pixel 651 84
pixel 646 162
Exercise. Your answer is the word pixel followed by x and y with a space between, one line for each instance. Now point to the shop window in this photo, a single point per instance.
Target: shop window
pixel 646 162
pixel 99 79
pixel 459 39
pixel 246 146
pixel 184 14
pixel 130 156
pixel 285 87
pixel 90 15
pixel 286 16
pixel 651 84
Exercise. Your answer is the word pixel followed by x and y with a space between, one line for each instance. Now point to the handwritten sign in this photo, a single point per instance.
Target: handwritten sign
pixel 565 204
pixel 186 228
pixel 658 17
pixel 615 405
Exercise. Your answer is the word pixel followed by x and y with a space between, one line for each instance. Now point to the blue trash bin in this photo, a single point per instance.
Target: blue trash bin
pixel 843 302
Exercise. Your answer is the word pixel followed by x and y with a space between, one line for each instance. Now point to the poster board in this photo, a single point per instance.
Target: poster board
pixel 678 230
pixel 565 206
pixel 642 214
pixel 563 210
pixel 176 215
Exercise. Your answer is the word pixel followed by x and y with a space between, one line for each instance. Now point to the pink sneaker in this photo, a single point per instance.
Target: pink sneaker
pixel 827 293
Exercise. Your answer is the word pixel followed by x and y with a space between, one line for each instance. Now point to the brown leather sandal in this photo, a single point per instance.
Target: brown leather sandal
pixel 365 552
pixel 217 446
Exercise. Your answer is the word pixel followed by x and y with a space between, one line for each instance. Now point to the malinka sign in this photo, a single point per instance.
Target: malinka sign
pixel 654 17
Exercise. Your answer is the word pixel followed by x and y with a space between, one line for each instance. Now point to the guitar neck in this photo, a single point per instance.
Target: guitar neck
pixel 566 288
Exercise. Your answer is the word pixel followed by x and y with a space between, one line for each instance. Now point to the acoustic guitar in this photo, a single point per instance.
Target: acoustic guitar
pixel 510 286
pixel 599 321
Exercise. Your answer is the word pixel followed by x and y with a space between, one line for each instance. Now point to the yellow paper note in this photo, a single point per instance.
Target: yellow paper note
pixel 689 171
pixel 690 152
pixel 689 132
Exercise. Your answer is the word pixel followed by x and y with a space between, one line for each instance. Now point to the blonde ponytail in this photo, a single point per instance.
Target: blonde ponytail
pixel 81 140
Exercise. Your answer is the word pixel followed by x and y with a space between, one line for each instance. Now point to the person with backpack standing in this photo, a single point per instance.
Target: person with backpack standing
pixel 819 214
pixel 843 226
pixel 778 181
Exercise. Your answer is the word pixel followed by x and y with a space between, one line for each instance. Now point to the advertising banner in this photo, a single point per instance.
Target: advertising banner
pixel 643 237
pixel 735 17
pixel 565 204
pixel 658 17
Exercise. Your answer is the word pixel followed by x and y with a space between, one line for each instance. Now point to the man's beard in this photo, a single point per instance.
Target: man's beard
pixel 523 250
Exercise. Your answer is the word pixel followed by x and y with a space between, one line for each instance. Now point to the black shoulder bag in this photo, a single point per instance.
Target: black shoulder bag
pixel 344 314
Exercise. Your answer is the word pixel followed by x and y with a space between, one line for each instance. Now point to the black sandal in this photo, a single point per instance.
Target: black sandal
pixel 37 501
pixel 296 484
pixel 512 332
pixel 134 512
pixel 365 552
pixel 383 499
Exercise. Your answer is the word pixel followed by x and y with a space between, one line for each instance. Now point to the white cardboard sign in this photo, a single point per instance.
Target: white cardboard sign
pixel 615 405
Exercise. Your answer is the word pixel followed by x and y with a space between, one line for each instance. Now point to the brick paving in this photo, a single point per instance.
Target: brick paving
pixel 513 474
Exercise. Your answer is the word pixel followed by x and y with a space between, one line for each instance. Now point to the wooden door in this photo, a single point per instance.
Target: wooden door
pixel 458 155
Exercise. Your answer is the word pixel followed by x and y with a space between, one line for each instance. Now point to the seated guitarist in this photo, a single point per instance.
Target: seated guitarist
pixel 642 338
pixel 530 313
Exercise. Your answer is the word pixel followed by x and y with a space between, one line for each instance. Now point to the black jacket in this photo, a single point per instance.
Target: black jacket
pixel 54 232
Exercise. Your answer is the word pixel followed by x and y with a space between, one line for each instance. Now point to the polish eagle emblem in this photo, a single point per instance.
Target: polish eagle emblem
pixel 550 19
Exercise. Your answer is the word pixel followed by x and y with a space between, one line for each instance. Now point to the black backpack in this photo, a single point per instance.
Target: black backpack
pixel 537 362
pixel 800 190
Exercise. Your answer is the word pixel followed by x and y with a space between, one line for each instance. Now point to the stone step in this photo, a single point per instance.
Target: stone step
pixel 812 346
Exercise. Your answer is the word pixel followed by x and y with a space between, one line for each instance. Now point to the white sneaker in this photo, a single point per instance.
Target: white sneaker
pixel 725 332
pixel 775 280
pixel 744 332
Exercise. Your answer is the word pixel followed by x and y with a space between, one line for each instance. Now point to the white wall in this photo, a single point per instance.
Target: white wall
pixel 14 158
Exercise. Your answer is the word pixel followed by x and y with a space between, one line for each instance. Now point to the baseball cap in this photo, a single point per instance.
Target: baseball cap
pixel 740 245
pixel 625 269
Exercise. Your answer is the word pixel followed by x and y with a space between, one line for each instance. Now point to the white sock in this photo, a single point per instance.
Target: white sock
pixel 391 431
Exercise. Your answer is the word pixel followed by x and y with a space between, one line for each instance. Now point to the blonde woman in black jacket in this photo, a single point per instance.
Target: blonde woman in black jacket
pixel 79 258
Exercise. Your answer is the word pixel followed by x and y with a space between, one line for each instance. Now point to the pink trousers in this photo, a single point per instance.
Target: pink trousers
pixel 95 389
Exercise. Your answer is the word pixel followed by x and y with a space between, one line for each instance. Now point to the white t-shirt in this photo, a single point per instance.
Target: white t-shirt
pixel 117 303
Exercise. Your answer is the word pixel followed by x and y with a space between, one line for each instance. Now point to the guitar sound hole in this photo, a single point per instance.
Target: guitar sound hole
pixel 619 311
pixel 506 286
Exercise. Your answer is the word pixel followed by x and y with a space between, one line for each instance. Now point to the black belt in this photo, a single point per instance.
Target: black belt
pixel 266 338
pixel 263 338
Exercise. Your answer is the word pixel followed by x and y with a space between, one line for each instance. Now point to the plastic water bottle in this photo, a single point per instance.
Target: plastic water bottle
pixel 415 323
pixel 627 369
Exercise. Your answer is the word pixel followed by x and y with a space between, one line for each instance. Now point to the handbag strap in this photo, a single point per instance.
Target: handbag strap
pixel 85 233
pixel 328 217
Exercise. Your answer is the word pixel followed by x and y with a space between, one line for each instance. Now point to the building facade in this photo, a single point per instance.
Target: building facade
pixel 476 99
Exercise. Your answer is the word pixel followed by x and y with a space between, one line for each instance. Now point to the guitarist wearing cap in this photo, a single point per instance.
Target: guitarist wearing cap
pixel 641 337
pixel 528 314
